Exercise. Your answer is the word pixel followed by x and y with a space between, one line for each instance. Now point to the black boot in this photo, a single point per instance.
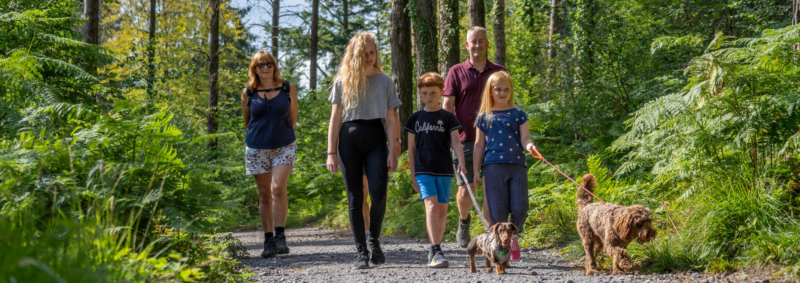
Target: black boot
pixel 362 259
pixel 377 253
pixel 269 248
pixel 280 244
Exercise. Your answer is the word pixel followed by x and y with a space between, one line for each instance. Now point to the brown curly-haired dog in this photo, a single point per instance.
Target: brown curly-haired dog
pixel 611 230
pixel 495 247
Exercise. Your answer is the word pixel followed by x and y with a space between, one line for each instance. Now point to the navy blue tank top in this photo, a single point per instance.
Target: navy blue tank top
pixel 270 125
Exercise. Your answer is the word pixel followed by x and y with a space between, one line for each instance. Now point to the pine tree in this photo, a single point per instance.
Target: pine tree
pixel 213 70
pixel 312 77
pixel 500 32
pixel 477 13
pixel 401 60
pixel 449 45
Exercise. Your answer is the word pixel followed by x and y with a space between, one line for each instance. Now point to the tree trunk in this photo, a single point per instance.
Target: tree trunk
pixel 477 13
pixel 345 17
pixel 312 77
pixel 426 39
pixel 213 70
pixel 276 15
pixel 151 50
pixel 556 28
pixel 796 18
pixel 401 60
pixel 500 32
pixel 448 35
pixel 587 24
pixel 91 28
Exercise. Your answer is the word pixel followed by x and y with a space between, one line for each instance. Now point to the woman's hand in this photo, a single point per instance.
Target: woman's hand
pixel 333 163
pixel 477 178
pixel 391 162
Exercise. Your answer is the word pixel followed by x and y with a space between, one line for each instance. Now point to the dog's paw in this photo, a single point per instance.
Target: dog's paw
pixel 625 264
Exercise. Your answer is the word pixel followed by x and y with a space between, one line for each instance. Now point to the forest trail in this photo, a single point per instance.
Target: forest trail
pixel 323 255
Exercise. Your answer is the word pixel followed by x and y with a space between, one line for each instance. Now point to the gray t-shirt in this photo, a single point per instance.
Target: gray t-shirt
pixel 374 104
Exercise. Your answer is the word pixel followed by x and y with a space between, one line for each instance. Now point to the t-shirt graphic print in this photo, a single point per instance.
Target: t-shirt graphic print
pixel 432 140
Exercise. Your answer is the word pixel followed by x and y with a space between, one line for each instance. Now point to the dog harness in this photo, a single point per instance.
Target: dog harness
pixel 499 252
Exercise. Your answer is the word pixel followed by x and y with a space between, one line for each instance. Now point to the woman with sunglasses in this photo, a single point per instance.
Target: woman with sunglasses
pixel 269 106
pixel 363 99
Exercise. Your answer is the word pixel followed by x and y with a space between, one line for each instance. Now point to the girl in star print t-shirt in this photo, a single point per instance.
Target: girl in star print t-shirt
pixel 501 140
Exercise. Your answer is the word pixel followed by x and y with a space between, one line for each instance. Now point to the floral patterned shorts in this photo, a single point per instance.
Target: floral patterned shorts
pixel 259 161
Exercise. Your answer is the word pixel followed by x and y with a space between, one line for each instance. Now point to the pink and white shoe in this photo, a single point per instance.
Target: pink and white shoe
pixel 514 248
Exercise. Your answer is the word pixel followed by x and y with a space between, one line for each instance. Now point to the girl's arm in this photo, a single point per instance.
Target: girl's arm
pixel 477 154
pixel 391 132
pixel 525 137
pixel 245 109
pixel 333 138
pixel 293 108
pixel 459 150
pixel 412 158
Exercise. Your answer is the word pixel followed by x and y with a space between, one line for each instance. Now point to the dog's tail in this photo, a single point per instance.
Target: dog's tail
pixel 583 198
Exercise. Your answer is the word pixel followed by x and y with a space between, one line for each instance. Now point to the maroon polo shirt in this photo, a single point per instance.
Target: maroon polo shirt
pixel 466 83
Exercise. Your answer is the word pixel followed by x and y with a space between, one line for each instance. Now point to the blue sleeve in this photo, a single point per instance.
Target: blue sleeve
pixel 480 123
pixel 522 116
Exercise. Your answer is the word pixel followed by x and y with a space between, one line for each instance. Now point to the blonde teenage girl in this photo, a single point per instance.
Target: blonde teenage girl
pixel 363 99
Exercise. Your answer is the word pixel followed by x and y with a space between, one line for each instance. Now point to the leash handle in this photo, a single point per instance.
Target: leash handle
pixel 474 202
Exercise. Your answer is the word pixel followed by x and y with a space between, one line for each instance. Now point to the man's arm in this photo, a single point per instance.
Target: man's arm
pixel 449 103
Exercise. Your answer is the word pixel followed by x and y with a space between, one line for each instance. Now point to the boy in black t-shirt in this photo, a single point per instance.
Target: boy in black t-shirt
pixel 431 133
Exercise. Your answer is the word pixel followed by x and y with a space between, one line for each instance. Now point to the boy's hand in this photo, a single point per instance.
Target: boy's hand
pixel 461 169
pixel 414 184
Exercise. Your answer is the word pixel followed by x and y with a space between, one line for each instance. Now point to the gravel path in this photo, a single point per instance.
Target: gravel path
pixel 322 255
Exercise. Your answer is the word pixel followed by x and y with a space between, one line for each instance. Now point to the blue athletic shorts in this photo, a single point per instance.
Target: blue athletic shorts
pixel 430 185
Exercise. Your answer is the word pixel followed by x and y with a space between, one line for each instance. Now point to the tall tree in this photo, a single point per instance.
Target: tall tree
pixel 425 39
pixel 276 15
pixel 213 70
pixel 500 32
pixel 477 13
pixel 151 49
pixel 91 28
pixel 448 35
pixel 312 77
pixel 345 17
pixel 796 18
pixel 556 28
pixel 401 60
pixel 425 36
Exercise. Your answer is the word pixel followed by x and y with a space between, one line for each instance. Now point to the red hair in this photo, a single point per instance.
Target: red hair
pixel 431 79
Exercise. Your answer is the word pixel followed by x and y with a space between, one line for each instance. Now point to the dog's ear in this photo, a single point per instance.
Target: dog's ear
pixel 623 223
pixel 493 229
pixel 514 228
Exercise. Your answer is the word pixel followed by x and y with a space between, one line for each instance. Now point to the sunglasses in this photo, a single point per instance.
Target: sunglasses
pixel 265 65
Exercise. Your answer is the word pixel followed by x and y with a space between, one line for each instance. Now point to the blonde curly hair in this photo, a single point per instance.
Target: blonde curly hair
pixel 351 71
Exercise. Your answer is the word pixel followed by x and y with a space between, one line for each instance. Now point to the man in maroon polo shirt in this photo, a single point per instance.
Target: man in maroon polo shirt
pixel 463 89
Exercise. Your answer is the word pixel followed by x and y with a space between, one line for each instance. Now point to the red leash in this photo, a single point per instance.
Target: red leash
pixel 540 156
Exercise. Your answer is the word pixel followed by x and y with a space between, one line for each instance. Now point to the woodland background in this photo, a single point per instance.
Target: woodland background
pixel 122 137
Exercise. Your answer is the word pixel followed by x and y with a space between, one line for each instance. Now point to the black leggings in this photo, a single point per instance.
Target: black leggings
pixel 362 150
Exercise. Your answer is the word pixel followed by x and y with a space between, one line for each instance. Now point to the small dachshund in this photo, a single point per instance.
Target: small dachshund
pixel 610 229
pixel 495 246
